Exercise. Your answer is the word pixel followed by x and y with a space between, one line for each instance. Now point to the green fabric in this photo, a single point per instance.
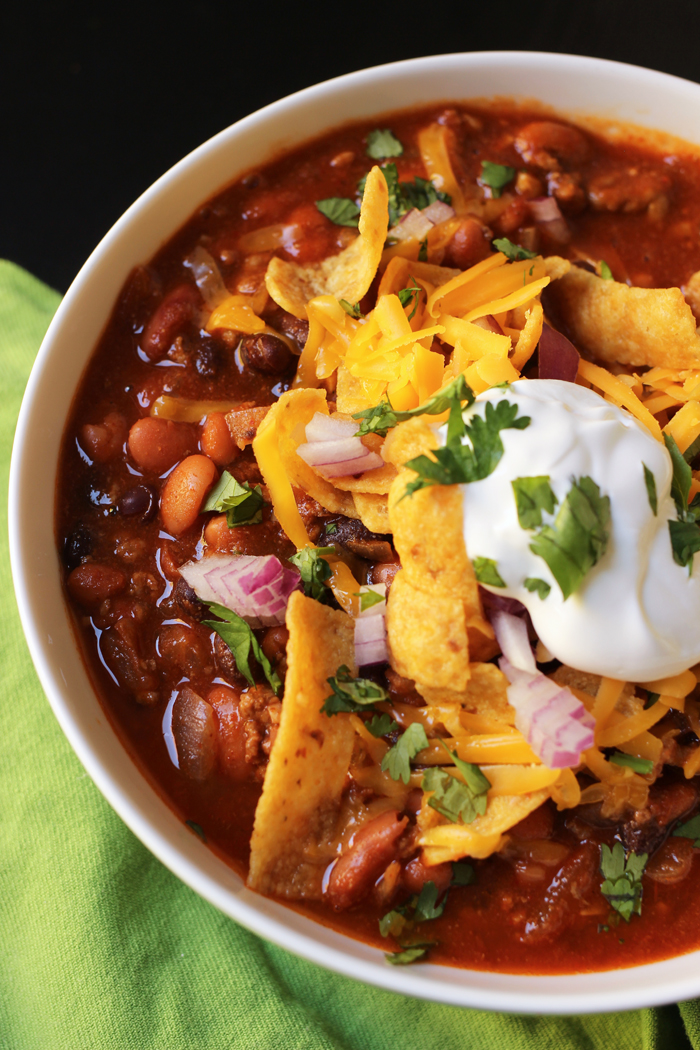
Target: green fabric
pixel 101 947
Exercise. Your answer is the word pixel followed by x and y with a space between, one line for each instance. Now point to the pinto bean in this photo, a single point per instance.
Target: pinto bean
pixel 184 493
pixel 195 732
pixel 385 573
pixel 177 310
pixel 103 441
pixel 416 873
pixel 274 645
pixel 549 145
pixel 90 583
pixel 232 736
pixel 266 353
pixel 468 245
pixel 573 879
pixel 672 862
pixel 217 442
pixel 180 650
pixel 374 848
pixel 513 216
pixel 155 445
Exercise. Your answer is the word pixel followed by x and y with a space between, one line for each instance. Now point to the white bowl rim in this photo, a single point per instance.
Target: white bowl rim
pixel 630 988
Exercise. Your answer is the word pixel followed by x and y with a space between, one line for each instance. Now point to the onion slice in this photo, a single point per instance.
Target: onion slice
pixel 546 214
pixel 333 450
pixel 558 357
pixel 257 588
pixel 370 629
pixel 417 224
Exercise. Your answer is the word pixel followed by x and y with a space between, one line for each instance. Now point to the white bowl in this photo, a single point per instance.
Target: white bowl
pixel 577 87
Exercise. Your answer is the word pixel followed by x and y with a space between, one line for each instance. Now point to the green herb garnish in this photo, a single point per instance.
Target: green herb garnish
pixel 408 955
pixel 532 496
pixel 486 571
pixel 382 417
pixel 240 639
pixel 453 798
pixel 579 536
pixel 353 309
pixel 639 765
pixel 650 482
pixel 241 503
pixel 314 571
pixel 537 586
pixel 651 699
pixel 331 529
pixel 463 874
pixel 412 293
pixel 340 210
pixel 495 176
pixel 397 760
pixel 685 533
pixel 423 907
pixel 405 195
pixel 512 251
pixel 690 830
pixel 351 694
pixel 622 887
pixel 605 271
pixel 423 250
pixel 368 599
pixel 197 828
pixel 382 143
pixel 381 725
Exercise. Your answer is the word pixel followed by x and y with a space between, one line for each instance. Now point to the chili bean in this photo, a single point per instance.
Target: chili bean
pixel 103 441
pixel 648 827
pixel 155 445
pixel 469 244
pixel 177 310
pixel 121 649
pixel 138 502
pixel 184 493
pixel 225 661
pixel 573 879
pixel 217 441
pixel 267 353
pixel 374 848
pixel 416 873
pixel 195 733
pixel 186 601
pixel 528 186
pixel 514 215
pixel 91 583
pixel 384 573
pixel 672 862
pixel 274 645
pixel 293 327
pixel 232 737
pixel 180 650
pixel 77 546
pixel 546 144
pixel 244 539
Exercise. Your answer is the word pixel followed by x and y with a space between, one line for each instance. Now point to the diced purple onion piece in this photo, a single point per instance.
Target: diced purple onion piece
pixel 511 635
pixel 558 357
pixel 329 428
pixel 438 211
pixel 257 588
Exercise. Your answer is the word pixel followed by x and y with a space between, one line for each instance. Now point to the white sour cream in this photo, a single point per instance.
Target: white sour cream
pixel 636 616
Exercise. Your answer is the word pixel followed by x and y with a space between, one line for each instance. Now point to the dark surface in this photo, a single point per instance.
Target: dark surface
pixel 98 101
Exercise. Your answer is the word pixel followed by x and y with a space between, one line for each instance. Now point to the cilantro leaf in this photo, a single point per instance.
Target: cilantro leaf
pixel 452 798
pixel 535 584
pixel 495 176
pixel 242 503
pixel 512 251
pixel 622 886
pixel 408 955
pixel 605 271
pixel 394 922
pixel 486 571
pixel 405 195
pixel 423 250
pixel 240 639
pixel 457 463
pixel 685 542
pixel 462 874
pixel 397 760
pixel 682 477
pixel 351 694
pixel 650 482
pixel 380 725
pixel 532 496
pixel 197 828
pixel 421 193
pixel 579 536
pixel 475 779
pixel 382 143
pixel 690 830
pixel 427 907
pixel 314 571
pixel 353 309
pixel 340 210
pixel 382 417
pixel 412 293
pixel 639 765
pixel 368 599
pixel 685 533
pixel 651 699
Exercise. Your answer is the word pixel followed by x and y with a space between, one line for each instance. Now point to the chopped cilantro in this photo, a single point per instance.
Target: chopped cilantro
pixel 579 536
pixel 351 694
pixel 650 482
pixel 394 922
pixel 682 477
pixel 532 496
pixel 692 451
pixel 685 542
pixel 405 195
pixel 314 571
pixel 382 143
pixel 535 585
pixel 410 294
pixel 639 765
pixel 240 639
pixel 423 250
pixel 351 308
pixel 381 725
pixel 397 760
pixel 426 906
pixel 382 417
pixel 368 599
pixel 456 462
pixel 651 699
pixel 685 533
pixel 486 571
pixel 463 874
pixel 495 176
pixel 513 251
pixel 690 830
pixel 197 828
pixel 622 887
pixel 243 505
pixel 340 210
pixel 331 529
pixel 605 271
pixel 408 955
pixel 423 907
pixel 452 798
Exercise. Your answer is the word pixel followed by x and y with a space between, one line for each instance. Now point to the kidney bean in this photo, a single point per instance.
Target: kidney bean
pixel 416 873
pixel 546 144
pixel 184 493
pixel 91 583
pixel 217 441
pixel 267 353
pixel 671 862
pixel 103 441
pixel 374 848
pixel 76 546
pixel 469 244
pixel 155 445
pixel 514 215
pixel 121 649
pixel 195 733
pixel 177 310
pixel 274 645
pixel 180 650
pixel 232 737
pixel 138 502
pixel 384 573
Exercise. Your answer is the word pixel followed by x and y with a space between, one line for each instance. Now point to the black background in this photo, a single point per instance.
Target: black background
pixel 99 100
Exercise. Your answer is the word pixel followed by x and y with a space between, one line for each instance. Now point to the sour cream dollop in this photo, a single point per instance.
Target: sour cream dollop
pixel 636 615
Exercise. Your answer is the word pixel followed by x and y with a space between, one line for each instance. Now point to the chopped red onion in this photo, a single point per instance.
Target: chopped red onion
pixel 332 449
pixel 545 212
pixel 370 630
pixel 493 603
pixel 558 357
pixel 257 588
pixel 207 276
pixel 416 224
pixel 438 211
pixel 511 635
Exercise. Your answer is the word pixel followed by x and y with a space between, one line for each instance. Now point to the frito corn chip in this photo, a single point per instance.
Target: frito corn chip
pixel 347 275
pixel 448 842
pixel 309 762
pixel 427 635
pixel 485 694
pixel 373 510
pixel 622 325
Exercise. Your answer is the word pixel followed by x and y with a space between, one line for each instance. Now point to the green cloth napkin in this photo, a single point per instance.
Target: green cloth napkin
pixel 101 947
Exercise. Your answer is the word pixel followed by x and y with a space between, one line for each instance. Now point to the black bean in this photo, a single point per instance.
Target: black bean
pixel 77 545
pixel 188 602
pixel 140 501
pixel 266 353
pixel 206 361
